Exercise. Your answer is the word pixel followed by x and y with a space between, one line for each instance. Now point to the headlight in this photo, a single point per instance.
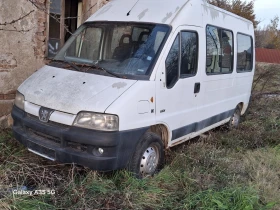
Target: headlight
pixel 19 100
pixel 104 122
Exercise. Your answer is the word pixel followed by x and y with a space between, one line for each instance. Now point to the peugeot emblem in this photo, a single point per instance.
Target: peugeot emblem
pixel 44 114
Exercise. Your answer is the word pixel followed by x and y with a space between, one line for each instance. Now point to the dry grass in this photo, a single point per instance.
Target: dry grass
pixel 267 79
pixel 263 169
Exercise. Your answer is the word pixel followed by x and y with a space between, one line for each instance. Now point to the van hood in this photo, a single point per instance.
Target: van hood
pixel 71 91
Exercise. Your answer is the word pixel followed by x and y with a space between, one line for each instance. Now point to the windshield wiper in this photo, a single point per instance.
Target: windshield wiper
pixel 95 66
pixel 105 70
pixel 69 63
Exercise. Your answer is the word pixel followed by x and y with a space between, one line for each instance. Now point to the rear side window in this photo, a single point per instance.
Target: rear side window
pixel 219 52
pixel 189 53
pixel 172 64
pixel 244 53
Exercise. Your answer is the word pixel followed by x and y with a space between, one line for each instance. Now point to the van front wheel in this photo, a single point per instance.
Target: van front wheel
pixel 148 157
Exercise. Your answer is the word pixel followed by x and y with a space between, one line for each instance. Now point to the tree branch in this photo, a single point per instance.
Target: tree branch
pixel 16 20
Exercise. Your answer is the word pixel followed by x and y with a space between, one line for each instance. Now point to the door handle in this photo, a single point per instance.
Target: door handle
pixel 197 87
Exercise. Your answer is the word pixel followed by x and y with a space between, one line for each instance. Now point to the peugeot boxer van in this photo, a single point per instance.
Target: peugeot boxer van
pixel 139 76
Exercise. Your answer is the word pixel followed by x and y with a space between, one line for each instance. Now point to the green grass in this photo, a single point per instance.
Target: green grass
pixel 227 199
pixel 235 170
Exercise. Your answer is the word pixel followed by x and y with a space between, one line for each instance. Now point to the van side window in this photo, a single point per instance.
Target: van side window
pixel 189 53
pixel 219 52
pixel 244 53
pixel 172 64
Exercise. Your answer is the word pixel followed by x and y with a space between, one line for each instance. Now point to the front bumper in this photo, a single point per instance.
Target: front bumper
pixel 69 144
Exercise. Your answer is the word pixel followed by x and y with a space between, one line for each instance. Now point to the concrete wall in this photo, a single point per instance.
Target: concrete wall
pixel 23 31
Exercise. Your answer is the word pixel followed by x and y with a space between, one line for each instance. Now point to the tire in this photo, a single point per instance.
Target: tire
pixel 235 118
pixel 148 157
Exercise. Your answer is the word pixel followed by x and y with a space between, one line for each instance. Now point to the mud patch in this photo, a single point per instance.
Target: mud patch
pixel 119 85
pixel 142 14
pixel 168 15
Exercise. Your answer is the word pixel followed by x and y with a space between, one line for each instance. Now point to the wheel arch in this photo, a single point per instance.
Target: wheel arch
pixel 163 131
pixel 242 107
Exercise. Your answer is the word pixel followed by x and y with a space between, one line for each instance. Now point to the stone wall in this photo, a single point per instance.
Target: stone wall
pixel 21 51
pixel 91 6
pixel 23 36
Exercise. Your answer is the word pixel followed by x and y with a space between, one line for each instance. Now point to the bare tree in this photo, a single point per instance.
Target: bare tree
pixel 273 34
pixel 269 36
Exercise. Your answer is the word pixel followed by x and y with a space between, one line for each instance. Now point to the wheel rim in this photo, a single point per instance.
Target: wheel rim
pixel 149 160
pixel 235 118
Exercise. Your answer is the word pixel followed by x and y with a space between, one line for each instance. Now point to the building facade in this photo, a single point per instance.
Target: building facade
pixel 31 33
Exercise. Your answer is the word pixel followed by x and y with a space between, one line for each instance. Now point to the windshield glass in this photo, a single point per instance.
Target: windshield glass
pixel 121 48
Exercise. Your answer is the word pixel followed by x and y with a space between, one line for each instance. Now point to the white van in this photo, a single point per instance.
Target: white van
pixel 137 77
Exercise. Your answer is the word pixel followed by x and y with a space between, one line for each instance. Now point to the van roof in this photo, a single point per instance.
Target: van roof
pixel 154 11
pixel 158 11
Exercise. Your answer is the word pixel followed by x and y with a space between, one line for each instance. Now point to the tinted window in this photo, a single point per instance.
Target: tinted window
pixel 172 64
pixel 219 54
pixel 189 50
pixel 244 53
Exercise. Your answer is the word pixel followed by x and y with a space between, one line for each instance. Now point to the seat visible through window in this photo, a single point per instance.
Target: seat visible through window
pixel 123 51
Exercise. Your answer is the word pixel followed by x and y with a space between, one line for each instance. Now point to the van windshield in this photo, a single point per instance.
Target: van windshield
pixel 128 49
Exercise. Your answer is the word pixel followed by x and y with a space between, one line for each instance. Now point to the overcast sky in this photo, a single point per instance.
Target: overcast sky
pixel 265 10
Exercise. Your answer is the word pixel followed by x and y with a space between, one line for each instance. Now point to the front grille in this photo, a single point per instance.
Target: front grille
pixel 44 136
pixel 57 141
pixel 35 118
pixel 53 139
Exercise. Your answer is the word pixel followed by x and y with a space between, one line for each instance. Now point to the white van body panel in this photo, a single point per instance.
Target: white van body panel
pixel 71 91
pixel 151 11
pixel 176 106
pixel 224 92
pixel 218 93
pixel 134 107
